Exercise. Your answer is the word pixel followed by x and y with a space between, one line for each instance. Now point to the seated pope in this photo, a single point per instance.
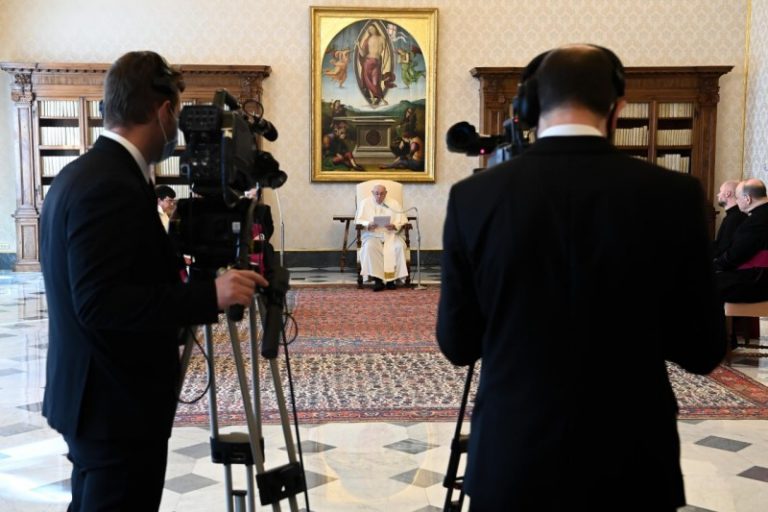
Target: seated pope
pixel 382 255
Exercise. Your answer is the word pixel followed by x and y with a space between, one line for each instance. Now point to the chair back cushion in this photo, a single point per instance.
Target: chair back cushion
pixel 394 190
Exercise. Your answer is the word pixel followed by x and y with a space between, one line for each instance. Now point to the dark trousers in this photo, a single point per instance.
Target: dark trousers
pixel 750 285
pixel 117 475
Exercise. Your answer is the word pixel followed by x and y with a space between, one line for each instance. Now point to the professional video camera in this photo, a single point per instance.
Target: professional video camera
pixel 222 161
pixel 222 158
pixel 462 137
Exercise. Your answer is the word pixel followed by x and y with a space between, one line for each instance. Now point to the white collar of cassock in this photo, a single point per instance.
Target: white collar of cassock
pixel 569 130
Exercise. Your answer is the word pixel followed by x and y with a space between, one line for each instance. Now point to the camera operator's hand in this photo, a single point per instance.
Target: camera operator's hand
pixel 237 287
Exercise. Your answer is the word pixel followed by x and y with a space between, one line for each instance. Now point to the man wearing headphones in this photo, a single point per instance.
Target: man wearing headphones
pixel 116 304
pixel 551 275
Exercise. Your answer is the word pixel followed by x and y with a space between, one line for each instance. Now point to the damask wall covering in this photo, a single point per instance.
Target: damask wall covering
pixel 471 33
pixel 756 134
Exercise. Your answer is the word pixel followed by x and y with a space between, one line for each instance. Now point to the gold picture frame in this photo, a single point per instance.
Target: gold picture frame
pixel 373 94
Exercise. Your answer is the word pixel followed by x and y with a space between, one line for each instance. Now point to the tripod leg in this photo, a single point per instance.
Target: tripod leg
pixel 255 370
pixel 250 489
pixel 213 411
pixel 258 455
pixel 228 486
pixel 212 406
pixel 186 355
pixel 290 446
pixel 459 445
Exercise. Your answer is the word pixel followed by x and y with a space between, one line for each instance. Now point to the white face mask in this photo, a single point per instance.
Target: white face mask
pixel 170 144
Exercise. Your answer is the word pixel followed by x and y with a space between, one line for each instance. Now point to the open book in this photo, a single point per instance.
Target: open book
pixel 382 221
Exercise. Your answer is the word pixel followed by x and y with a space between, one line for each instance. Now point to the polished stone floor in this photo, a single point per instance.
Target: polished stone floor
pixel 376 466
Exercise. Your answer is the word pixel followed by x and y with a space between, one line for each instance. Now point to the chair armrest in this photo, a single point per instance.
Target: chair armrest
pixel 407 227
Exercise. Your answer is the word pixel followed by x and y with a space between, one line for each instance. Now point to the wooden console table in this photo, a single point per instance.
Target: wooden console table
pixel 346 219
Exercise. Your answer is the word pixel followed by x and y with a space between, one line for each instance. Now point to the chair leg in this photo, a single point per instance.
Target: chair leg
pixel 730 339
pixel 359 275
pixel 408 268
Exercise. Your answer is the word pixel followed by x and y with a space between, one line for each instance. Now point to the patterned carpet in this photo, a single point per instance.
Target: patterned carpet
pixel 358 357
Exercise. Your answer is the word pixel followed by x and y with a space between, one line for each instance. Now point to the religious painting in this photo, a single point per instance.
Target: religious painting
pixel 373 94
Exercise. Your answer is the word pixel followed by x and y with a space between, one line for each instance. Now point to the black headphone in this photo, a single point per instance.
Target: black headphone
pixel 164 79
pixel 526 107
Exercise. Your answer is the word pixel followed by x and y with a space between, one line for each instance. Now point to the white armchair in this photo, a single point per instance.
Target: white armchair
pixel 394 191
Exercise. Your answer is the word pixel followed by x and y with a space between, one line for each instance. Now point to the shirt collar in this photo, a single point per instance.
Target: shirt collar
pixel 133 150
pixel 569 130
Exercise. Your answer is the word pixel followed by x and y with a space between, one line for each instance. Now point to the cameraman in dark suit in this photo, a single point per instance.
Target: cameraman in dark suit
pixel 551 275
pixel 115 300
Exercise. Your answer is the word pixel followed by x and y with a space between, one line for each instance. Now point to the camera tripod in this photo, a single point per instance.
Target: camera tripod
pixel 247 449
pixel 459 445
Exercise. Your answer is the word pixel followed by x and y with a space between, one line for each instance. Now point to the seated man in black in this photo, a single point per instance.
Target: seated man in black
pixel 743 267
pixel 726 198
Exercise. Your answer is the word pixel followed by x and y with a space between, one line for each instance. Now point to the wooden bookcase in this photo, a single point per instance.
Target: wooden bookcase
pixel 57 118
pixel 671 117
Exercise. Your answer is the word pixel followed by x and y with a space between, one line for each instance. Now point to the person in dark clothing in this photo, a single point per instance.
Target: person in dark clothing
pixel 726 198
pixel 743 267
pixel 563 233
pixel 116 304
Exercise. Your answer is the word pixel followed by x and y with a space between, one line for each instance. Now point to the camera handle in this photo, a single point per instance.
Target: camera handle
pixel 236 311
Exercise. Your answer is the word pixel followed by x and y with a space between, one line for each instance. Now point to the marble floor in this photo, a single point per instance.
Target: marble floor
pixel 393 467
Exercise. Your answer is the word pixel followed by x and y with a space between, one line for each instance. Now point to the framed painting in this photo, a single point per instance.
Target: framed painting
pixel 373 94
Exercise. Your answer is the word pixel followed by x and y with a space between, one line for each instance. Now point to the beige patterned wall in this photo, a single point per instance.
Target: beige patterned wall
pixel 276 32
pixel 756 139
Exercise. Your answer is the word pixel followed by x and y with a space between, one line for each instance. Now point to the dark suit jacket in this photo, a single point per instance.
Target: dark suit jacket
pixel 749 238
pixel 551 273
pixel 751 284
pixel 733 219
pixel 115 301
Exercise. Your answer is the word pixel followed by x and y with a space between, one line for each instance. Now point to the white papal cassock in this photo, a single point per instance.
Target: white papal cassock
pixel 382 253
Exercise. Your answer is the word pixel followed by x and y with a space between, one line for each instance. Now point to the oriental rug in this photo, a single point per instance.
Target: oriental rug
pixel 361 356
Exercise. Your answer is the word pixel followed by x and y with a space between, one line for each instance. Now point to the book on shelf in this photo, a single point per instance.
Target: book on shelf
pixel 59 108
pixel 631 136
pixel 94 111
pixel 674 162
pixel 182 191
pixel 60 136
pixel 634 111
pixel 94 133
pixel 168 167
pixel 51 165
pixel 674 137
pixel 675 110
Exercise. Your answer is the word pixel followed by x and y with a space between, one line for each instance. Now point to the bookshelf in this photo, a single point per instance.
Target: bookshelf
pixel 57 118
pixel 670 118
